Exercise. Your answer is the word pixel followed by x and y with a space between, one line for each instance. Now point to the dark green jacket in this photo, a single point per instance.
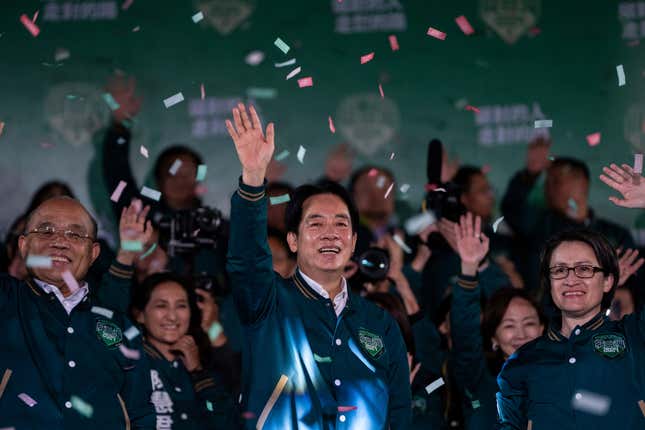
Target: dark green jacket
pixel 187 400
pixel 55 358
pixel 544 378
pixel 346 372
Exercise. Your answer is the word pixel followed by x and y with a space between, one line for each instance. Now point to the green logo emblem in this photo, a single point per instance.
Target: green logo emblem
pixel 609 345
pixel 371 343
pixel 108 332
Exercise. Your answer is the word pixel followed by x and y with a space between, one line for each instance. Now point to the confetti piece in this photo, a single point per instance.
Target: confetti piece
pixel 320 359
pixel 278 200
pixel 573 207
pixel 70 280
pixel 173 100
pixel 496 224
pixel 286 63
pixel 306 82
pixel 175 167
pixel 399 241
pixel 293 73
pixel 434 385
pixel 132 354
pixel 35 16
pixel 281 156
pixel 621 75
pixel 120 141
pixel 201 172
pixel 543 123
pixel 131 333
pixel 638 163
pixel 367 58
pixel 1 127
pixel 254 58
pixel 472 108
pixel 394 43
pixel 331 125
pixel 591 403
pixel 281 45
pixel 5 380
pixel 30 26
pixel 132 245
pixel 135 29
pixel 150 193
pixel 392 156
pixel 27 399
pixel 464 25
pixel 198 17
pixel 61 54
pixel 143 151
pixel 380 90
pixel 126 4
pixel 373 172
pixel 81 406
pixel 347 408
pixel 301 153
pixel 380 182
pixel 262 93
pixel 436 33
pixel 116 194
pixel 269 404
pixel 203 92
pixel 209 405
pixel 107 313
pixel 414 225
pixel 593 139
pixel 43 261
pixel 215 330
pixel 110 101
pixel 404 188
pixel 389 190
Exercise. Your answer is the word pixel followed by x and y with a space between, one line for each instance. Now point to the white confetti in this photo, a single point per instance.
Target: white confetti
pixel 591 403
pixel 404 188
pixel 144 151
pixel 198 17
pixel 282 155
pixel 27 399
pixel 399 241
pixel 175 167
pixel 43 261
pixel 420 222
pixel 102 311
pixel 621 75
pixel 434 385
pixel 61 54
pixel 173 100
pixel 301 154
pixel 543 123
pixel 293 73
pixel 150 193
pixel 254 58
pixel 69 279
pixel 131 333
pixel 497 223
pixel 638 163
pixel 286 63
pixel 132 354
pixel 380 181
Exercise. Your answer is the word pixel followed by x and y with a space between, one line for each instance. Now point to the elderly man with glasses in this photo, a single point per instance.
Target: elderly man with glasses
pixel 67 362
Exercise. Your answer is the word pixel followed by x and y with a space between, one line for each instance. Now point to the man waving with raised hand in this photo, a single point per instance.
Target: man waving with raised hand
pixel 317 356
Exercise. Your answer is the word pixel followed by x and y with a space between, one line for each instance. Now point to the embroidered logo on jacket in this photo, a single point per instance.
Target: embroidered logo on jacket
pixel 371 343
pixel 108 332
pixel 609 345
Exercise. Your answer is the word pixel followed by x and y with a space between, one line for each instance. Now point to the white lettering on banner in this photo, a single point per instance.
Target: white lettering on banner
pixel 507 124
pixel 208 115
pixel 75 11
pixel 631 14
pixel 362 16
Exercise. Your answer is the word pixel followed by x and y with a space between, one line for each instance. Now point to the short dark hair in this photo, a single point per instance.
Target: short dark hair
pixel 169 155
pixel 359 173
pixel 576 166
pixel 303 192
pixel 464 177
pixel 605 254
pixel 93 225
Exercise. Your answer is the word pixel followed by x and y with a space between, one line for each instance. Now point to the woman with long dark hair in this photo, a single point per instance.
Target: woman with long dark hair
pixel 185 395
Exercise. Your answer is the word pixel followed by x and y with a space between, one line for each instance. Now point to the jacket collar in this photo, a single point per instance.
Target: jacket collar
pixel 592 325
pixel 309 293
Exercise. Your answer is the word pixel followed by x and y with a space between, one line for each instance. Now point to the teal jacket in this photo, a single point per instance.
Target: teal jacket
pixel 70 365
pixel 184 400
pixel 593 380
pixel 305 368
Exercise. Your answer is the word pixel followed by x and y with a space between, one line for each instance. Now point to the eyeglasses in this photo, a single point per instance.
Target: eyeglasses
pixel 48 232
pixel 583 271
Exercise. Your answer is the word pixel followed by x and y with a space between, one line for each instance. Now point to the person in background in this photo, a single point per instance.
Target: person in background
pixel 284 261
pixel 185 393
pixel 276 213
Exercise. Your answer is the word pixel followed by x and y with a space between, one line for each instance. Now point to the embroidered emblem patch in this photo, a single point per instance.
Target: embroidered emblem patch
pixel 108 332
pixel 371 343
pixel 609 345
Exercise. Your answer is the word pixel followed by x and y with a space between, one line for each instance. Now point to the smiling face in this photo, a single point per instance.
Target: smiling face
pixel 166 316
pixel 520 324
pixel 69 252
pixel 325 240
pixel 578 297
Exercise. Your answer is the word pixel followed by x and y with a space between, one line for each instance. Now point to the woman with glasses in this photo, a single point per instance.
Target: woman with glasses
pixel 588 371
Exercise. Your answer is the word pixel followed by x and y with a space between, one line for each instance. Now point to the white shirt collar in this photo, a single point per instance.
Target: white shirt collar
pixel 69 302
pixel 341 298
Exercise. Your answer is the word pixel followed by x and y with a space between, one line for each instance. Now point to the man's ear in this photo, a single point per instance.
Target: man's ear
pixel 608 283
pixel 22 246
pixel 96 250
pixel 354 239
pixel 292 241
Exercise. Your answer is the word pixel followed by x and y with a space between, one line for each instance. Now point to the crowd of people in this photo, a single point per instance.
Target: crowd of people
pixel 312 307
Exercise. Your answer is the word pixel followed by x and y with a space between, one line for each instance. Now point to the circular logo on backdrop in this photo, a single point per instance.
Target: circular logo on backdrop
pixel 225 15
pixel 367 121
pixel 634 126
pixel 510 19
pixel 75 111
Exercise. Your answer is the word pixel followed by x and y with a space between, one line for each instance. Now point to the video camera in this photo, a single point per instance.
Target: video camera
pixel 441 198
pixel 188 231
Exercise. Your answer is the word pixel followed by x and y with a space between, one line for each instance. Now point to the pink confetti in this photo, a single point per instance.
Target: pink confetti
pixel 30 26
pixel 132 354
pixel 464 25
pixel 306 82
pixel 373 172
pixel 394 43
pixel 593 139
pixel 347 408
pixel 367 58
pixel 436 33
pixel 70 280
pixel 46 145
pixel 201 88
pixel 35 16
pixel 380 90
pixel 126 4
pixel 485 169
pixel 201 189
pixel 331 125
pixel 27 399
pixel 472 108
pixel 535 31
pixel 389 190
pixel 116 195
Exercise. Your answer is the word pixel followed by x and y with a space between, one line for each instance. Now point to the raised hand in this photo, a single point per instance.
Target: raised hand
pixel 628 264
pixel 472 244
pixel 133 230
pixel 631 185
pixel 254 149
pixel 188 353
pixel 123 92
pixel 537 155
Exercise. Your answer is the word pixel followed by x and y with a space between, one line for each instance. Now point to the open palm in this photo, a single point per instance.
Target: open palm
pixel 628 183
pixel 472 244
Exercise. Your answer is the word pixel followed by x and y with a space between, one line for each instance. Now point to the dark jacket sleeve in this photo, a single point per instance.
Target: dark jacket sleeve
pixel 216 404
pixel 517 211
pixel 248 261
pixel 400 404
pixel 512 396
pixel 468 352
pixel 114 289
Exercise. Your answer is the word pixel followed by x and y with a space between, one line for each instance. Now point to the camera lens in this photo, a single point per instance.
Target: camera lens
pixel 374 264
